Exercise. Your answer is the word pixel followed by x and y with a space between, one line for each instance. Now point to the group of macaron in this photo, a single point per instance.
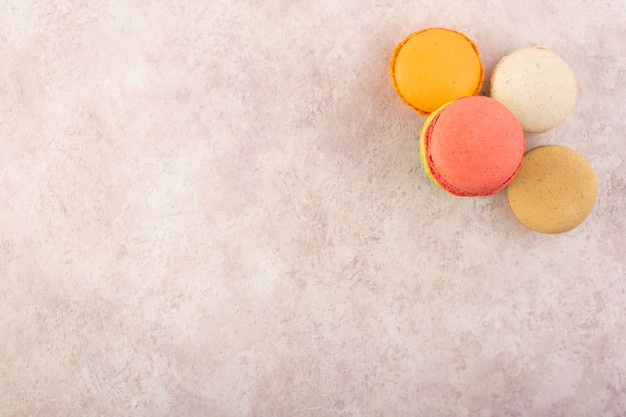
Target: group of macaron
pixel 475 145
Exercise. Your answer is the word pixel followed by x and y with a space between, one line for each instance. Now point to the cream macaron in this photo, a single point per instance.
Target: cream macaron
pixel 536 85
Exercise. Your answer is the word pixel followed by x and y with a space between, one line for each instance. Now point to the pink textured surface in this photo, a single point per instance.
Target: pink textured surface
pixel 216 208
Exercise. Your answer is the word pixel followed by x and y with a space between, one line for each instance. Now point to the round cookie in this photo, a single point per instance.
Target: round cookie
pixel 554 191
pixel 472 146
pixel 434 66
pixel 536 85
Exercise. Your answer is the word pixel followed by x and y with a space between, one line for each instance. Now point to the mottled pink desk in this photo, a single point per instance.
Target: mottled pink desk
pixel 216 208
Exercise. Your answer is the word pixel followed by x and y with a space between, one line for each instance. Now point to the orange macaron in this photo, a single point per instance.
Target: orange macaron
pixel 434 66
pixel 472 146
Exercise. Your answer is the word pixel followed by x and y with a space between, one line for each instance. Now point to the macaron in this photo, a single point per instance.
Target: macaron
pixel 554 191
pixel 434 66
pixel 536 85
pixel 472 146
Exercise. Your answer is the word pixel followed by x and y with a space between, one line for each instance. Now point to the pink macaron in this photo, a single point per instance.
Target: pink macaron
pixel 472 146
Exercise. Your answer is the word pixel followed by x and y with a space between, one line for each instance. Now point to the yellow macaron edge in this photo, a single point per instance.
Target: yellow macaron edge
pixel 423 156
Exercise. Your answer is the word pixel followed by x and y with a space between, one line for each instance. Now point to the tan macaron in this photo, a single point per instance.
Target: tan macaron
pixel 536 85
pixel 554 190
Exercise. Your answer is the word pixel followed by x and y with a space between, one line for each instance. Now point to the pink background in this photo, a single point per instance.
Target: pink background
pixel 216 208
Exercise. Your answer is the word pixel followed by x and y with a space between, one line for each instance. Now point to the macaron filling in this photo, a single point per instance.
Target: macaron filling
pixel 427 129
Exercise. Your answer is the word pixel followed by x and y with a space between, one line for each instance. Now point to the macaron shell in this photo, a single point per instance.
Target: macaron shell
pixel 554 191
pixel 536 85
pixel 434 66
pixel 472 146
